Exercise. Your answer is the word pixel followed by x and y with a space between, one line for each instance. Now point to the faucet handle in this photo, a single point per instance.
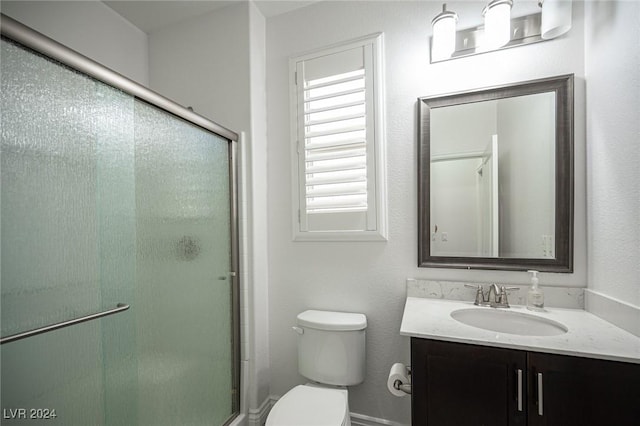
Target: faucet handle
pixel 479 293
pixel 503 299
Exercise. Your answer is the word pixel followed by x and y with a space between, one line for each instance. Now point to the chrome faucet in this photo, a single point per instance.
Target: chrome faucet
pixel 493 288
pixel 500 299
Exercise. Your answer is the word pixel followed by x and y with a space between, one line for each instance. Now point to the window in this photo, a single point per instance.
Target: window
pixel 338 143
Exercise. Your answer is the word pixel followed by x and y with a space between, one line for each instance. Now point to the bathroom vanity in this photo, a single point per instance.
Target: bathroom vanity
pixel 587 373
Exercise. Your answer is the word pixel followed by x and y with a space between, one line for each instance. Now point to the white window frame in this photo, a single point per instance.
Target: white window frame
pixel 376 228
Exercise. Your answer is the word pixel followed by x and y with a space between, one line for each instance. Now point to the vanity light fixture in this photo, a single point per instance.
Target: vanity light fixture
pixel 497 23
pixel 556 18
pixel 444 34
pixel 499 30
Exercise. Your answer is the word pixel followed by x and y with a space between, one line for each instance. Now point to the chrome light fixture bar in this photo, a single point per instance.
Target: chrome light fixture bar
pixel 553 21
pixel 524 30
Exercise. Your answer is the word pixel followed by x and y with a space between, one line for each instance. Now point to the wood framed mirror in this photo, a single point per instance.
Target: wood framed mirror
pixel 495 177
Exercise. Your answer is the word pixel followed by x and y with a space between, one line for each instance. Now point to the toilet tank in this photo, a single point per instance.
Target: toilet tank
pixel 331 347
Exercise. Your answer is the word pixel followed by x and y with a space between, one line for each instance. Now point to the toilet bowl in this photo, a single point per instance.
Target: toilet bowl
pixel 310 405
pixel 331 352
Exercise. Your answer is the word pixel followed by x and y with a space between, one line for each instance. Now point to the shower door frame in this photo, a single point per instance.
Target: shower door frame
pixel 28 37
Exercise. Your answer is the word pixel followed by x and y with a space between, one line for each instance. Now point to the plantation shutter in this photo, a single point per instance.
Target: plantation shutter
pixel 335 132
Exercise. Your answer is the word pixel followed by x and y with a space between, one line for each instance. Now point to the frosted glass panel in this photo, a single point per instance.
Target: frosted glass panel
pixel 106 199
pixel 49 226
pixel 55 123
pixel 184 290
pixel 115 201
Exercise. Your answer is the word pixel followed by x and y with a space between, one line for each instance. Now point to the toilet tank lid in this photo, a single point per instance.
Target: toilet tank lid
pixel 326 320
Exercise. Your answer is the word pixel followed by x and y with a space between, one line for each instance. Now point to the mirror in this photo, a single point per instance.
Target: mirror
pixel 495 175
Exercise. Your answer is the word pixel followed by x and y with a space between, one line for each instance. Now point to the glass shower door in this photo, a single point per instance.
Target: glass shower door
pixel 67 217
pixel 106 199
pixel 183 291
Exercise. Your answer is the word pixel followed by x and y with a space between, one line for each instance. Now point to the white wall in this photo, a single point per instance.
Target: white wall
pixel 526 125
pixel 370 277
pixel 204 63
pixel 91 28
pixel 259 313
pixel 449 136
pixel 612 65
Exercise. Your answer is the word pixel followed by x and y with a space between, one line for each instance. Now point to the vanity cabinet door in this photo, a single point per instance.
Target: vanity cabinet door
pixel 582 391
pixel 459 384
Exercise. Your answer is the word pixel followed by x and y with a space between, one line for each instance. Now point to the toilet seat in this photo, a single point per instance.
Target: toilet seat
pixel 307 405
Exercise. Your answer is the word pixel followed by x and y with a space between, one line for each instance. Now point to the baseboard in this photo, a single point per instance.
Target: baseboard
pixel 362 420
pixel 259 416
pixel 617 312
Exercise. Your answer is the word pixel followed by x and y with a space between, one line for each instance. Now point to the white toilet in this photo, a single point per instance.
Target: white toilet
pixel 331 353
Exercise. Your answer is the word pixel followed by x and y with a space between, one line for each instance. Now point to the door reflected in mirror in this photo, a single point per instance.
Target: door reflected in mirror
pixel 496 177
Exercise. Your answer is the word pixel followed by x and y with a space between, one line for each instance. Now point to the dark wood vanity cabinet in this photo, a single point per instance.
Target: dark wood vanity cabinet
pixel 460 384
pixel 583 391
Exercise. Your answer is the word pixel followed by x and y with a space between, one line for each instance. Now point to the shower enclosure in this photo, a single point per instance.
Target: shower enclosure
pixel 119 289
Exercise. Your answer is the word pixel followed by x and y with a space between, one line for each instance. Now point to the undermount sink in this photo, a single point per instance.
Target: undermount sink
pixel 508 322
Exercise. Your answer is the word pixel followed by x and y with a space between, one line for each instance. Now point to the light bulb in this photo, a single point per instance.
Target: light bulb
pixel 556 18
pixel 444 34
pixel 497 23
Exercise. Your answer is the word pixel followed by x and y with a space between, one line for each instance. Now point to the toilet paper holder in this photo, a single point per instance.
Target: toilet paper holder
pixel 404 387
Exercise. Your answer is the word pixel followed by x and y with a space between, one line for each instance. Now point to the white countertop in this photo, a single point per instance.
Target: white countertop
pixel 588 335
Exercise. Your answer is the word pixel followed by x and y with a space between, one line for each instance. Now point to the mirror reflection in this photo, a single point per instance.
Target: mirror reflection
pixel 493 178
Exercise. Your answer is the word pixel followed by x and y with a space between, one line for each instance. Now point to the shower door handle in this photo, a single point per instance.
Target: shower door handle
pixel 119 308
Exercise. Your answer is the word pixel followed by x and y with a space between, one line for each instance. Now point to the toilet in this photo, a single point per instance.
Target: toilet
pixel 331 353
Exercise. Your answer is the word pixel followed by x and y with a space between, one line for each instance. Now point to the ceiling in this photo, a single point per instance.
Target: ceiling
pixel 150 15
